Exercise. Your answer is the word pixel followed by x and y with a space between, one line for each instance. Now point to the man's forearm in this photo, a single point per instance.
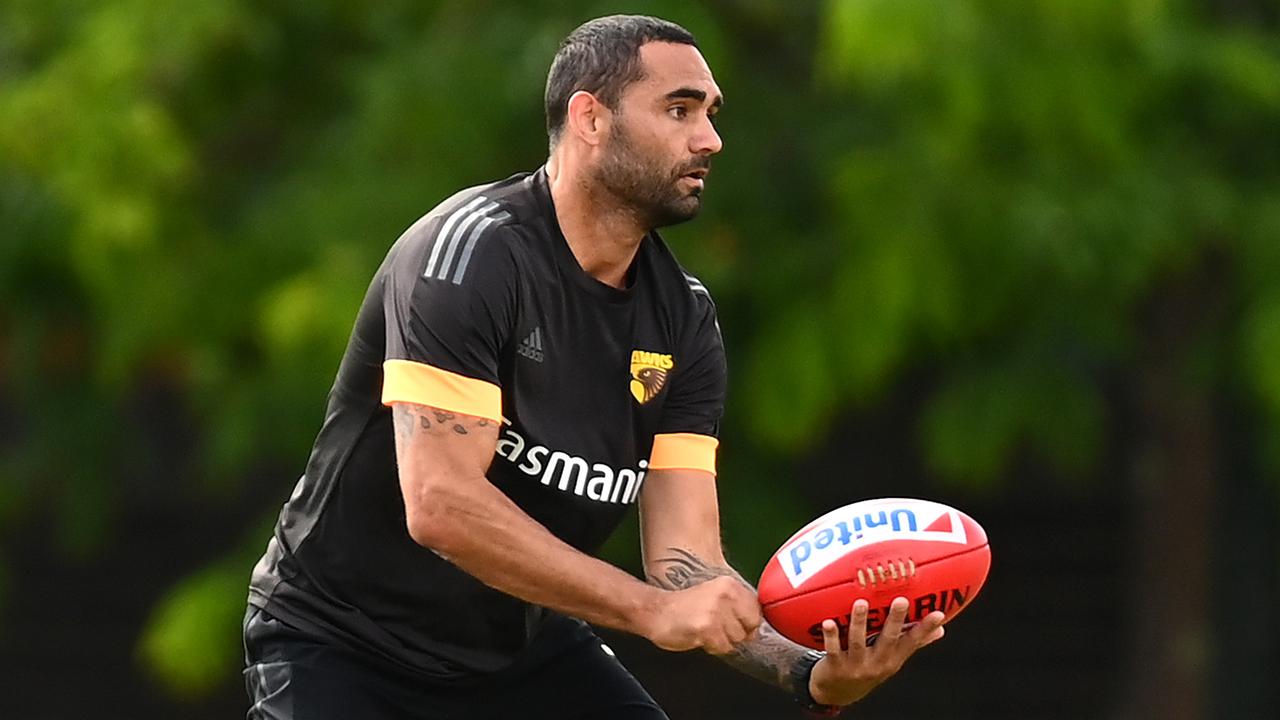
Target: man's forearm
pixel 478 528
pixel 766 656
pixel 501 546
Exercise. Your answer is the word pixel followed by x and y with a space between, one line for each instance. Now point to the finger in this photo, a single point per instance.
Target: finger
pixel 744 621
pixel 831 637
pixel 926 631
pixel 858 626
pixel 897 615
pixel 933 621
pixel 926 626
pixel 718 645
pixel 934 636
pixel 749 614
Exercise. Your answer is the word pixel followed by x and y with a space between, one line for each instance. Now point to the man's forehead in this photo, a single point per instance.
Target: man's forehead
pixel 668 66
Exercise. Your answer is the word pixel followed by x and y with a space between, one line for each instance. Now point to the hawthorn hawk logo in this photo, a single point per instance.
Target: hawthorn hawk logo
pixel 649 374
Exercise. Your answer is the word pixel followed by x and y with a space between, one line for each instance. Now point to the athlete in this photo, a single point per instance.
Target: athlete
pixel 529 361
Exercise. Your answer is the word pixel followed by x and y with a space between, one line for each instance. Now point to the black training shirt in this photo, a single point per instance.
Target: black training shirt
pixel 481 308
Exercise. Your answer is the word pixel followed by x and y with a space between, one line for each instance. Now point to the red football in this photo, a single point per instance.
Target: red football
pixel 934 555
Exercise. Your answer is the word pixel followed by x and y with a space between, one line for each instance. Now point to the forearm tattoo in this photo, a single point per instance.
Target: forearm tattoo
pixel 767 656
pixel 682 569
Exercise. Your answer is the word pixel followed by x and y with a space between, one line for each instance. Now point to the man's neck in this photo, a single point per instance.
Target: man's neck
pixel 603 235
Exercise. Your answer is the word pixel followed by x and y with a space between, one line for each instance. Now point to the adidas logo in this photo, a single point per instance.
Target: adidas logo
pixel 531 347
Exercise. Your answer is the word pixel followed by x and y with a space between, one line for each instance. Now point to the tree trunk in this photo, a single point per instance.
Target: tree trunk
pixel 1174 471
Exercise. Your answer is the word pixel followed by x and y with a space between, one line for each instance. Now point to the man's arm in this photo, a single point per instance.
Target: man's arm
pixel 765 656
pixel 680 542
pixel 452 509
pixel 680 537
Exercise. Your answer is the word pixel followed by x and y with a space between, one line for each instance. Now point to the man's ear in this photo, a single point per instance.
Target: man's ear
pixel 588 118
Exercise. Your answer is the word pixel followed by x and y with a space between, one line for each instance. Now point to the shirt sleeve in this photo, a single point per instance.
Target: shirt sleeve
pixel 449 306
pixel 688 434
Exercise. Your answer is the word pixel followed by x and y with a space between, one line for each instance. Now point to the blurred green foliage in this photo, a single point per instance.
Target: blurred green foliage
pixel 187 643
pixel 195 195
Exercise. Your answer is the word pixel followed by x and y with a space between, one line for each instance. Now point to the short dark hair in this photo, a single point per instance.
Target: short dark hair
pixel 602 57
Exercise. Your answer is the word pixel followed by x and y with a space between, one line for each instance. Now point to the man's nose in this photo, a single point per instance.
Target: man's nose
pixel 707 140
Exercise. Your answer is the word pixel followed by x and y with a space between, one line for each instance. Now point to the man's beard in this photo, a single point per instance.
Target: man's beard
pixel 652 192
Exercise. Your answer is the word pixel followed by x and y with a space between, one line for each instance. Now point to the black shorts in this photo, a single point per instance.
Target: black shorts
pixel 293 675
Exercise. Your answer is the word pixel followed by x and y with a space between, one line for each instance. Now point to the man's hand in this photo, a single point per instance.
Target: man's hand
pixel 845 676
pixel 715 615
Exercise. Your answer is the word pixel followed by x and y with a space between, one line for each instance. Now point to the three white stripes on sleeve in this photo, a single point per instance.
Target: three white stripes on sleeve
pixel 469 222
pixel 461 230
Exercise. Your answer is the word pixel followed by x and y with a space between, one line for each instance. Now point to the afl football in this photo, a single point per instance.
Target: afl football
pixel 932 554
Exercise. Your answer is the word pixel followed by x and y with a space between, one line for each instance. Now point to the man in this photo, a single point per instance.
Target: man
pixel 528 362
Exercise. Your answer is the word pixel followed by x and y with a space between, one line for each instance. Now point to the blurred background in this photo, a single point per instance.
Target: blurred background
pixel 1022 257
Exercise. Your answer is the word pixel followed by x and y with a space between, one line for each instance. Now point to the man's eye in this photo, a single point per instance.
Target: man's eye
pixel 678 112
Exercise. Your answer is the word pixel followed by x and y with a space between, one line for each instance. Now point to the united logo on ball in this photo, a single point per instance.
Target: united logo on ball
pixel 932 554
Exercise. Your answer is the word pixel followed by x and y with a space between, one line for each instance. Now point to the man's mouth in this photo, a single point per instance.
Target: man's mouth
pixel 696 176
